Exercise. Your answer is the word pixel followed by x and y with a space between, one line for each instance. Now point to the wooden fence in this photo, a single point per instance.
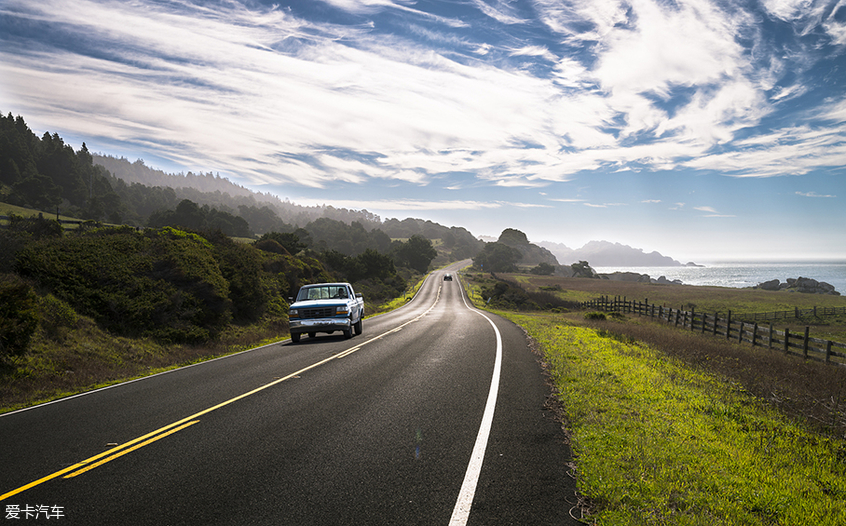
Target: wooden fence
pixel 795 313
pixel 66 223
pixel 732 328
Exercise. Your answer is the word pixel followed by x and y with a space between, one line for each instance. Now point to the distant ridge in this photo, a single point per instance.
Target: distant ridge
pixel 607 254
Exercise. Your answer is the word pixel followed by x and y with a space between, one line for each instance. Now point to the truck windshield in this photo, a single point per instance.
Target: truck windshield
pixel 327 292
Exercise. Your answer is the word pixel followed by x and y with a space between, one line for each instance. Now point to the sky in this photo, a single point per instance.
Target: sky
pixel 706 130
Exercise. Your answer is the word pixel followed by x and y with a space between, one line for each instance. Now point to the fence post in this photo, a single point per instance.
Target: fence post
pixel 728 326
pixel 828 351
pixel 740 333
pixel 704 321
pixel 692 317
pixel 754 333
pixel 786 340
pixel 805 346
pixel 770 337
pixel 716 317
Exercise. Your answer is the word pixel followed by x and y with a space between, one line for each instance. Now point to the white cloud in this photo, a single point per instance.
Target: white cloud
pixel 534 51
pixel 603 205
pixel 814 194
pixel 711 212
pixel 501 12
pixel 786 151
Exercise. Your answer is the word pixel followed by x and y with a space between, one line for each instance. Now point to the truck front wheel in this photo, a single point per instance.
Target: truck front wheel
pixel 357 327
pixel 295 337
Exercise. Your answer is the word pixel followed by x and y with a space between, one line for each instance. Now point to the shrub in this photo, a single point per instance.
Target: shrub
pixel 241 265
pixel 57 316
pixel 160 283
pixel 269 245
pixel 18 315
pixel 288 273
pixel 595 316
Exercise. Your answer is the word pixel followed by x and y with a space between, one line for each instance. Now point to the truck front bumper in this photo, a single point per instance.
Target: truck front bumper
pixel 319 325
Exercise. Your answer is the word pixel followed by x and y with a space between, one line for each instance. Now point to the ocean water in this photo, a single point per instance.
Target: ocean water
pixel 745 274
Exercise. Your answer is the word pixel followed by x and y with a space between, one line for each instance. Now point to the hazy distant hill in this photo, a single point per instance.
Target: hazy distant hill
pixel 264 211
pixel 532 254
pixel 607 254
pixel 217 191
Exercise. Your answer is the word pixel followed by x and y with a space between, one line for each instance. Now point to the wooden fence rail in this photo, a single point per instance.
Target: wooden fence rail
pixel 795 313
pixel 66 223
pixel 731 327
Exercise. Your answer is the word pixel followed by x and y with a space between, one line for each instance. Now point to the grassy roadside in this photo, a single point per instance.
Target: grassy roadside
pixel 85 358
pixel 660 440
pixel 396 302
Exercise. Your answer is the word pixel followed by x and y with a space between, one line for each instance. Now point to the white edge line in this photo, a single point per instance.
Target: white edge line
pixel 461 512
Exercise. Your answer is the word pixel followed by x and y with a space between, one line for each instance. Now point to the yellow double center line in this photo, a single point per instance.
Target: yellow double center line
pixel 118 451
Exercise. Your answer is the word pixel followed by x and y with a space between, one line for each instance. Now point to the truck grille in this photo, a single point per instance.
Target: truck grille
pixel 318 312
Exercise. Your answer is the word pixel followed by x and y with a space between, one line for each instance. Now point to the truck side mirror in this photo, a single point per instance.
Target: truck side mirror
pixel 358 294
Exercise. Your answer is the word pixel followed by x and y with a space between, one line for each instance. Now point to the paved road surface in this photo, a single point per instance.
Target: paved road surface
pixel 386 428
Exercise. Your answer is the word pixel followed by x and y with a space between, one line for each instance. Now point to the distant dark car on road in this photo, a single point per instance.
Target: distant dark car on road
pixel 447 277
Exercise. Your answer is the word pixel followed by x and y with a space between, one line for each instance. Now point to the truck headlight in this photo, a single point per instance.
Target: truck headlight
pixel 341 310
pixel 293 313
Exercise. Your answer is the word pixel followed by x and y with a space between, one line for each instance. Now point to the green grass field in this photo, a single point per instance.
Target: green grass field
pixel 7 209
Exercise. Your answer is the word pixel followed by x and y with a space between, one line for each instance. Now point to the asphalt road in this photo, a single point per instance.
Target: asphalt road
pixel 388 427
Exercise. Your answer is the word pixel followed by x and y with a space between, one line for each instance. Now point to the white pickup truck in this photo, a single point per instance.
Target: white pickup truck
pixel 325 307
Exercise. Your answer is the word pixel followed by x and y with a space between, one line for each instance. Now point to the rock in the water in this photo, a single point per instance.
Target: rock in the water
pixel 804 285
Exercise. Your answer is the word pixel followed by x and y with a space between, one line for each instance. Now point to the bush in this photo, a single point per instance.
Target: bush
pixel 161 283
pixel 56 316
pixel 543 269
pixel 241 265
pixel 18 315
pixel 595 316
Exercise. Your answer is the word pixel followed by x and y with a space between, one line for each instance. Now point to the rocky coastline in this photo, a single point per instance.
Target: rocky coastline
pixel 639 278
pixel 803 285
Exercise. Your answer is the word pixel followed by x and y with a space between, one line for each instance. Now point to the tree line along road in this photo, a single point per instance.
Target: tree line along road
pixel 434 415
